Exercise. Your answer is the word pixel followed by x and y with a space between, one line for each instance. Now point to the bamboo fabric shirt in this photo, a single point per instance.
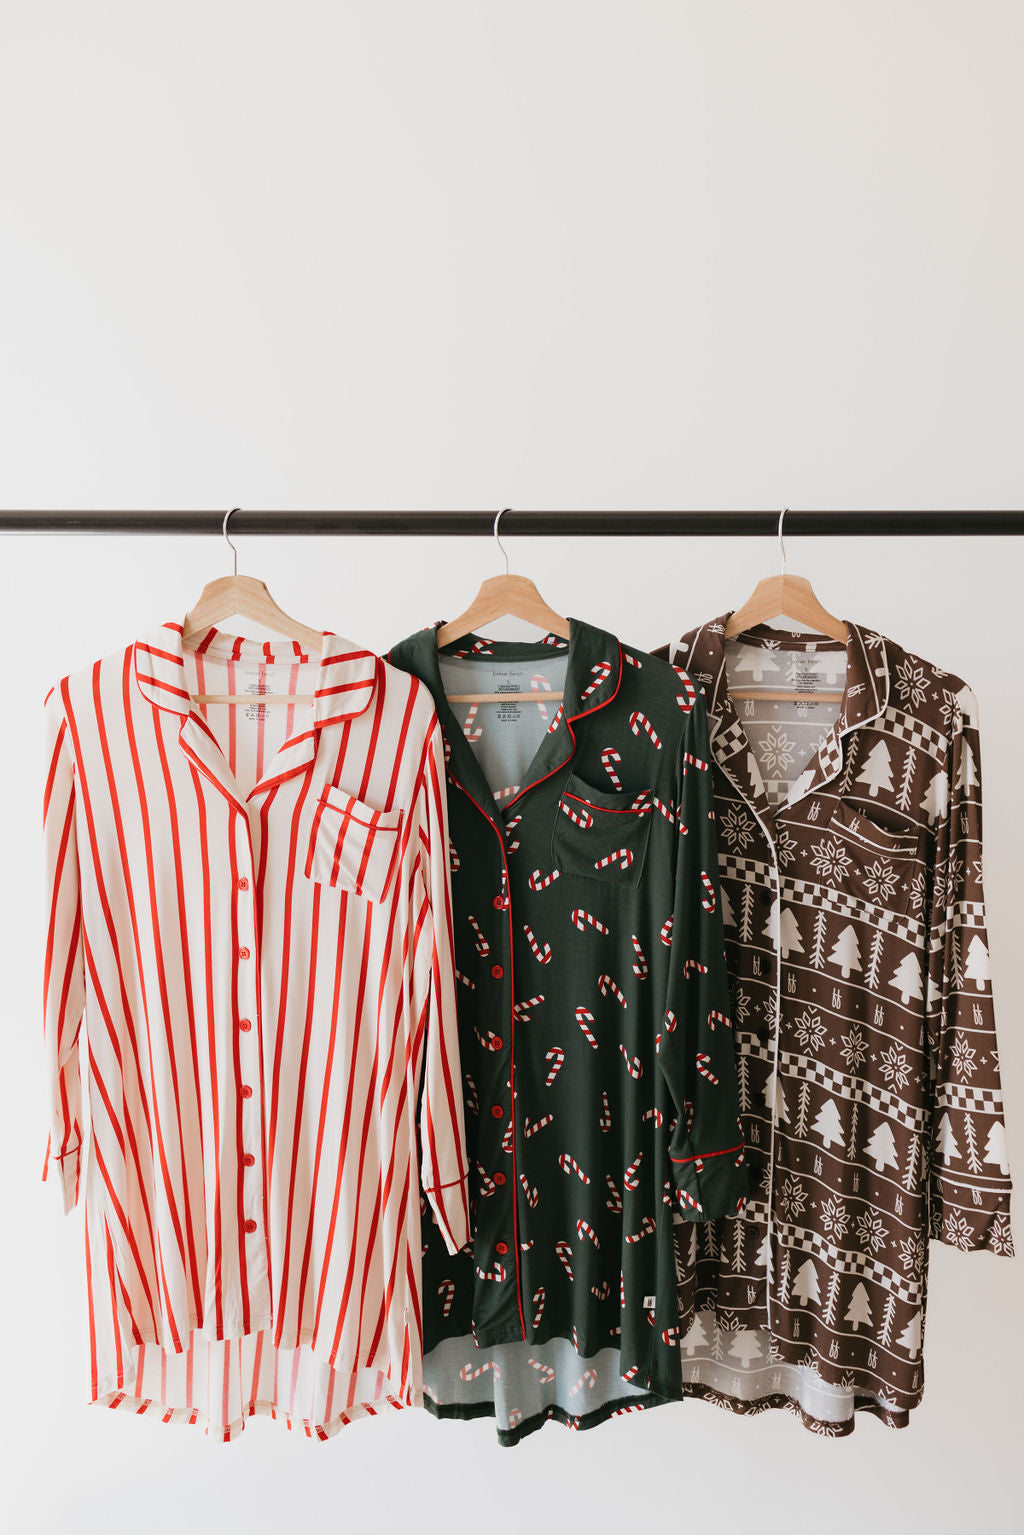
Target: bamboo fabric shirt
pixel 595 1039
pixel 851 866
pixel 251 906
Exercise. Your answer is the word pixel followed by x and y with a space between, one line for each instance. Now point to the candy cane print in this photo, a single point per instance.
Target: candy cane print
pixel 497 1273
pixel 471 1099
pixel 585 1229
pixel 509 792
pixel 489 1042
pixel 605 1121
pixel 647 1229
pixel 570 1165
pixel 663 809
pixel 575 1341
pixel 605 984
pixel 487 1183
pixel 539 881
pixel 623 856
pixel 688 697
pixel 615 1203
pixel 601 1291
pixel 608 756
pixel 708 899
pixel 538 1124
pixel 654 1114
pixel 640 963
pixel 480 943
pixel 429 1391
pixel 531 1194
pixel 588 1378
pixel 693 967
pixel 559 712
pixel 688 1202
pixel 469 1373
pixel 564 1252
pixel 581 818
pixel 467 729
pixel 670 1336
pixel 581 919
pixel 689 760
pixel 715 1018
pixel 632 660
pixel 446 1289
pixel 703 1061
pixel 454 863
pixel 557 1058
pixel 510 827
pixel 541 955
pixel 540 684
pixel 634 1065
pixel 521 1010
pixel 640 804
pixel 622 1288
pixel 506 1139
pixel 668 1026
pixel 524 1247
pixel 583 1018
pixel 633 1370
pixel 545 1371
pixel 630 1180
pixel 539 1297
pixel 600 673
pixel 666 932
pixel 515 1417
pixel 465 980
pixel 638 721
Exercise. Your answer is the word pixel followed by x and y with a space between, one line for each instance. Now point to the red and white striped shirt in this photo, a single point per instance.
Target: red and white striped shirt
pixel 250 904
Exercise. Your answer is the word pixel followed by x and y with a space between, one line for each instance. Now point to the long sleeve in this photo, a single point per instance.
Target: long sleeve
pixel 64 969
pixel 442 1130
pixel 696 1052
pixel 969 1192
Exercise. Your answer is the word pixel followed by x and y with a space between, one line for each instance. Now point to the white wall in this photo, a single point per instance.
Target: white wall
pixel 462 254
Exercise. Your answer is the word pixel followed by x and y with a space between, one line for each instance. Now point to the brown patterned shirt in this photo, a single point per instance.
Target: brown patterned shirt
pixel 850 862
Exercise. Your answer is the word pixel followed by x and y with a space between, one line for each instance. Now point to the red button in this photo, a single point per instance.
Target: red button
pixel 501 1247
pixel 499 1179
pixel 498 903
pixel 243 883
pixel 250 1227
pixel 248 1159
pixel 247 1091
pixel 498 1042
pixel 243 953
pixel 245 1024
pixel 497 971
pixel 497 1112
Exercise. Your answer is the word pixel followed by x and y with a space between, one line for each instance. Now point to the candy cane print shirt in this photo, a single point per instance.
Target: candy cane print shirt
pixel 850 859
pixel 597 1052
pixel 250 906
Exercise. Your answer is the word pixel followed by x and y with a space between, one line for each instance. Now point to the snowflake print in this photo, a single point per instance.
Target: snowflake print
pixel 895 1067
pixel 834 1218
pixel 777 752
pixel 912 1253
pixel 809 1030
pixel 964 1056
pixel 855 1048
pixel 948 707
pixel 999 1238
pixel 741 1007
pixel 792 1199
pixel 918 890
pixel 957 1232
pixel 911 683
pixel 830 860
pixel 736 829
pixel 880 880
pixel 871 1234
pixel 770 1008
pixel 785 848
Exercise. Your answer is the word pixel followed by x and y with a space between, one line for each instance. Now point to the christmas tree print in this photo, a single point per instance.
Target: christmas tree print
pixel 887 1315
pixel 995 1147
pixel 805 1283
pixel 882 1147
pixel 877 770
pixel 728 920
pixel 784 1277
pixel 851 1142
pixel 773 1091
pixel 789 933
pixel 977 969
pixel 973 1159
pixel 803 1102
pixel 743 1081
pixel 936 798
pixel 697 1337
pixel 830 1300
pixel 846 952
pixel 874 960
pixel 746 913
pixel 906 978
pixel 910 1337
pixel 755 661
pixel 818 947
pixel 859 1312
pixel 911 1172
pixel 745 1347
pixel 737 1248
pixel 946 1141
pixel 903 799
pixel 967 777
pixel 828 1124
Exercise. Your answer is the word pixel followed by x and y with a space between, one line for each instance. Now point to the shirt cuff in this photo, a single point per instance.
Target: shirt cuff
pixel 65 1169
pixel 710 1184
pixel 450 1204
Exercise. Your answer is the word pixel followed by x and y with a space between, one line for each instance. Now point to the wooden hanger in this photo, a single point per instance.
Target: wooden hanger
pixel 792 597
pixel 504 596
pixel 227 595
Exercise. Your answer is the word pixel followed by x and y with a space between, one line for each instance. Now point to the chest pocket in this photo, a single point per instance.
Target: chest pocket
pixel 882 863
pixel 352 846
pixel 601 836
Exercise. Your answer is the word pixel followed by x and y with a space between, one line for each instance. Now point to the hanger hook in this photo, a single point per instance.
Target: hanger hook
pixel 782 541
pixel 497 540
pixel 224 530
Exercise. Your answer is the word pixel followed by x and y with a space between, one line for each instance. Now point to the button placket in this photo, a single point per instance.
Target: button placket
pixel 248 1002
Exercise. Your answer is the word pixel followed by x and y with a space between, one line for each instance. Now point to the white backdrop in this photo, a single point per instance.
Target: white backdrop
pixel 460 254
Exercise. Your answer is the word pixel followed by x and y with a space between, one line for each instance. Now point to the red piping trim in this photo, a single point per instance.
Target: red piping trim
pixel 702 1156
pixel 609 809
pixel 569 718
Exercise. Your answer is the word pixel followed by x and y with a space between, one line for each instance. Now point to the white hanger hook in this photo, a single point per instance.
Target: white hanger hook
pixel 782 541
pixel 224 530
pixel 497 540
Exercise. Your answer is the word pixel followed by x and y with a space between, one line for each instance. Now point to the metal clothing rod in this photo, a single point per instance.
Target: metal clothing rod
pixel 555 524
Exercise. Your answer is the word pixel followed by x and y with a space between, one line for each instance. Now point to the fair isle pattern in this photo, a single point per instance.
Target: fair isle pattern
pixel 866 1049
pixel 261 944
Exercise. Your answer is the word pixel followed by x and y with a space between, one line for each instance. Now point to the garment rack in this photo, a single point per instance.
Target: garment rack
pixel 535 524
